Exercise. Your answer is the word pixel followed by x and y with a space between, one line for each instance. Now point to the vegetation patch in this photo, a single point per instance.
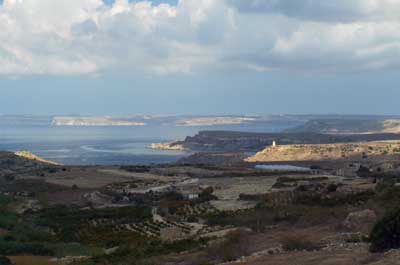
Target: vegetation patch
pixel 5 261
pixel 67 222
pixel 299 243
pixel 386 232
pixel 139 251
pixel 234 246
pixel 18 248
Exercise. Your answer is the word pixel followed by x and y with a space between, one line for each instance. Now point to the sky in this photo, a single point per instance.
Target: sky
pixel 120 57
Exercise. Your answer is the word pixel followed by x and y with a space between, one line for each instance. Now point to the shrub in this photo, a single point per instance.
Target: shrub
pixel 5 261
pixel 298 243
pixel 4 201
pixel 388 197
pixel 332 187
pixel 16 248
pixel 234 246
pixel 363 171
pixel 68 221
pixel 356 238
pixel 8 220
pixel 386 232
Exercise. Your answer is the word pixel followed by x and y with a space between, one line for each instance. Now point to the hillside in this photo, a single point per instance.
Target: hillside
pixel 205 158
pixel 346 126
pixel 30 156
pixel 323 152
pixel 24 161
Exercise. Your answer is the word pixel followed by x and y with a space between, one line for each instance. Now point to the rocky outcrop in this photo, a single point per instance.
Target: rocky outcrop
pixel 11 163
pixel 349 126
pixel 361 221
pixel 168 146
pixel 30 156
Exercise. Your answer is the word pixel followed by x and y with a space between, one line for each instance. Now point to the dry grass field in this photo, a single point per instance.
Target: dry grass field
pixel 33 260
pixel 86 177
pixel 331 152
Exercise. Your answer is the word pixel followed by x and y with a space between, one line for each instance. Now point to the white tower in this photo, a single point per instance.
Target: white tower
pixel 273 144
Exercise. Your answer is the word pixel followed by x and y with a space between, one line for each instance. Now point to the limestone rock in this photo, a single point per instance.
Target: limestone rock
pixel 360 221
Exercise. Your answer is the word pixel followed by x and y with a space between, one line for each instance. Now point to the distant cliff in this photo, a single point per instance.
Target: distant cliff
pixel 30 156
pixel 349 126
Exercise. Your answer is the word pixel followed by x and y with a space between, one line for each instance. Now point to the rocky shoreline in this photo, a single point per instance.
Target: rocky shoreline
pixel 30 156
pixel 172 146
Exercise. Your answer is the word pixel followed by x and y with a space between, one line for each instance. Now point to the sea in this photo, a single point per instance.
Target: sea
pixel 113 145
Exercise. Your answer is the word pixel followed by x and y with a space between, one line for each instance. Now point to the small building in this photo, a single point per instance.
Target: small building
pixel 316 170
pixel 190 192
pixel 349 170
pixel 383 167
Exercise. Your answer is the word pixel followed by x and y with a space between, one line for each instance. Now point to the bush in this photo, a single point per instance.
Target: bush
pixel 5 261
pixel 235 245
pixel 332 187
pixel 356 238
pixel 8 220
pixel 16 248
pixel 388 197
pixel 68 221
pixel 23 232
pixel 298 243
pixel 386 232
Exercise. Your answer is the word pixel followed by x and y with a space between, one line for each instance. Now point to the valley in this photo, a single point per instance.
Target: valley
pixel 313 197
pixel 195 212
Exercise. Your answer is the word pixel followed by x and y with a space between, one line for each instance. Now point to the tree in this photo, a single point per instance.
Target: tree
pixel 5 261
pixel 386 232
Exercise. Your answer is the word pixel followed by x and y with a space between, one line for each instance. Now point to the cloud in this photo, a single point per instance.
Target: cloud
pixel 69 37
pixel 327 10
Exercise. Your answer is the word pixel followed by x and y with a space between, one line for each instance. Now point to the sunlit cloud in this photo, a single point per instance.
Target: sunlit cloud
pixel 70 37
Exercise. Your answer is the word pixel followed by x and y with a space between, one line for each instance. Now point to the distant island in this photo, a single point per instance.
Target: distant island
pixel 327 124
pixel 94 121
pixel 159 120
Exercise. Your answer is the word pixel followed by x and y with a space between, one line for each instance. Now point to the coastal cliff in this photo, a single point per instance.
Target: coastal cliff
pixel 172 146
pixel 30 156
pixel 233 141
